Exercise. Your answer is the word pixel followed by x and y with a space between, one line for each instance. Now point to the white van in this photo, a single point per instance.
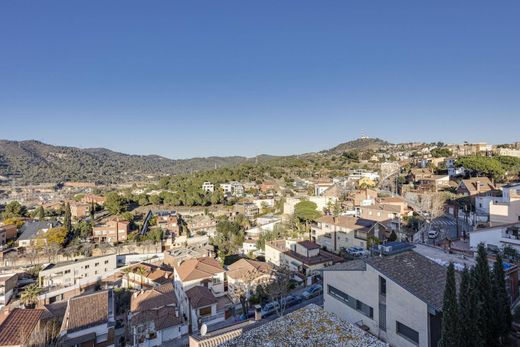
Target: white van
pixel 432 234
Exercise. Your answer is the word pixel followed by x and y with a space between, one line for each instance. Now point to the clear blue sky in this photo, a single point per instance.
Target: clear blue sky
pixel 199 78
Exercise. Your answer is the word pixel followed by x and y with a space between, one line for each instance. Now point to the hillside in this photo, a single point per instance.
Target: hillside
pixel 37 162
pixel 359 145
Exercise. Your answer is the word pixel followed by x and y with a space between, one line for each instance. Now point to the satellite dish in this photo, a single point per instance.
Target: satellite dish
pixel 203 329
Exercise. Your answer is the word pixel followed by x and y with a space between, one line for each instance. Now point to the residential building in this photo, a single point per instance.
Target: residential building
pixel 113 231
pixel 92 198
pixel 232 188
pixel 66 274
pixel 154 317
pixel 388 215
pixel 507 209
pixel 32 230
pixel 201 224
pixel 266 187
pixel 248 209
pixel 356 175
pixel 168 221
pixel 249 245
pixel 511 152
pixel 199 285
pixel 244 276
pixel 497 237
pixel 80 209
pixel 475 186
pixel 21 327
pixel 362 197
pixel 305 258
pixel 322 202
pixel 145 275
pixel 7 233
pixel 397 297
pixel 8 285
pixel 342 232
pixel 89 320
pixel 321 186
pixel 208 187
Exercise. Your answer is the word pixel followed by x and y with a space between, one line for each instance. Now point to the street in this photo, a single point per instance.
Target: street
pixel 447 227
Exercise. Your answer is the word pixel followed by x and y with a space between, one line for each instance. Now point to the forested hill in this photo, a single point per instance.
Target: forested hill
pixel 359 145
pixel 37 162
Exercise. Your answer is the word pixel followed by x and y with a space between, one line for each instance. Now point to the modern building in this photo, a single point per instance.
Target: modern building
pixel 397 297
pixel 208 187
pixel 66 274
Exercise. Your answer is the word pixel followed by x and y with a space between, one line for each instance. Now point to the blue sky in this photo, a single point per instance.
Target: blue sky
pixel 200 78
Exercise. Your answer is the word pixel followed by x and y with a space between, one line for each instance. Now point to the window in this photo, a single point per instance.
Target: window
pixel 67 271
pixel 96 264
pixel 407 332
pixel 205 311
pixel 87 266
pixel 350 301
pixel 338 294
pixel 106 261
pixel 382 286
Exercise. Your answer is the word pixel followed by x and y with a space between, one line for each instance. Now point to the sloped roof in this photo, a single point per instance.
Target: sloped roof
pixel 200 296
pixel 153 298
pixel 198 268
pixel 244 267
pixel 86 311
pixel 472 185
pixel 348 222
pixel 18 326
pixel 31 228
pixel 415 273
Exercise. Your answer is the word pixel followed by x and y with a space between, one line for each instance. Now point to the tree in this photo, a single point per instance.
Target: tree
pixel 483 292
pixel 67 219
pixel 279 287
pixel 306 211
pixel 469 335
pixel 480 165
pixel 14 209
pixel 40 213
pixel 115 203
pixel 393 236
pixel 440 152
pixel 29 297
pixel 126 272
pixel 56 236
pixel 504 317
pixel 450 313
pixel 141 271
pixel 228 237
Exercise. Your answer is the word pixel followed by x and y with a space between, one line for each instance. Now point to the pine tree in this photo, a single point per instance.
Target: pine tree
pixel 41 213
pixel 450 312
pixel 67 219
pixel 504 317
pixel 469 335
pixel 486 303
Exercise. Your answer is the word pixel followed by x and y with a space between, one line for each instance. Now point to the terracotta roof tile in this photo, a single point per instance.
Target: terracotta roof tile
pixel 200 296
pixel 153 298
pixel 86 311
pixel 18 326
pixel 199 268
pixel 245 267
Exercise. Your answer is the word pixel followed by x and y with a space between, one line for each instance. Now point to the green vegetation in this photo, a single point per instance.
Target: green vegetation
pixel 14 209
pixel 440 152
pixel 450 313
pixel 480 165
pixel 228 238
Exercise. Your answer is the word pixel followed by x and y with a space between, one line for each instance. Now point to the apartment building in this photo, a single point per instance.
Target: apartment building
pixel 232 188
pixel 248 209
pixel 70 273
pixel 112 232
pixel 397 298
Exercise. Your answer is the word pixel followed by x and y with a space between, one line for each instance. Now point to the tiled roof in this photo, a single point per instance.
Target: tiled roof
pixel 163 317
pixel 30 229
pixel 415 273
pixel 199 268
pixel 86 311
pixel 153 298
pixel 18 326
pixel 244 267
pixel 473 184
pixel 348 222
pixel 200 296
pixel 153 272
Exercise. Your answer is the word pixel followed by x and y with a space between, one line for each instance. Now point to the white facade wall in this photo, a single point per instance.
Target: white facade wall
pixel 401 305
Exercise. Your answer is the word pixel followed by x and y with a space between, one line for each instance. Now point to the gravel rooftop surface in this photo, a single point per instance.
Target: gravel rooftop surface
pixel 308 326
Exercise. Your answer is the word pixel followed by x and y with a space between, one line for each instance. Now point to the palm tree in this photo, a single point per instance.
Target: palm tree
pixel 29 297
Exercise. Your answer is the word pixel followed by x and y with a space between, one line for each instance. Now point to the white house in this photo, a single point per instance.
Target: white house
pixel 397 298
pixel 498 236
pixel 208 187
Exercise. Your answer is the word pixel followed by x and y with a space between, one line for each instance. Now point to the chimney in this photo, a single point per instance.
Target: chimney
pixel 478 185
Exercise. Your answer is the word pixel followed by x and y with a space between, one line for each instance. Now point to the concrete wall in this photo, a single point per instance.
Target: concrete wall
pixel 400 305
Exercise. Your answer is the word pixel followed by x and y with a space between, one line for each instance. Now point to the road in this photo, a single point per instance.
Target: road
pixel 447 227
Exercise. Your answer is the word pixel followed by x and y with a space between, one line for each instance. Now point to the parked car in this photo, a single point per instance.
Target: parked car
pixel 432 234
pixel 250 314
pixel 312 291
pixel 357 251
pixel 291 300
pixel 269 309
